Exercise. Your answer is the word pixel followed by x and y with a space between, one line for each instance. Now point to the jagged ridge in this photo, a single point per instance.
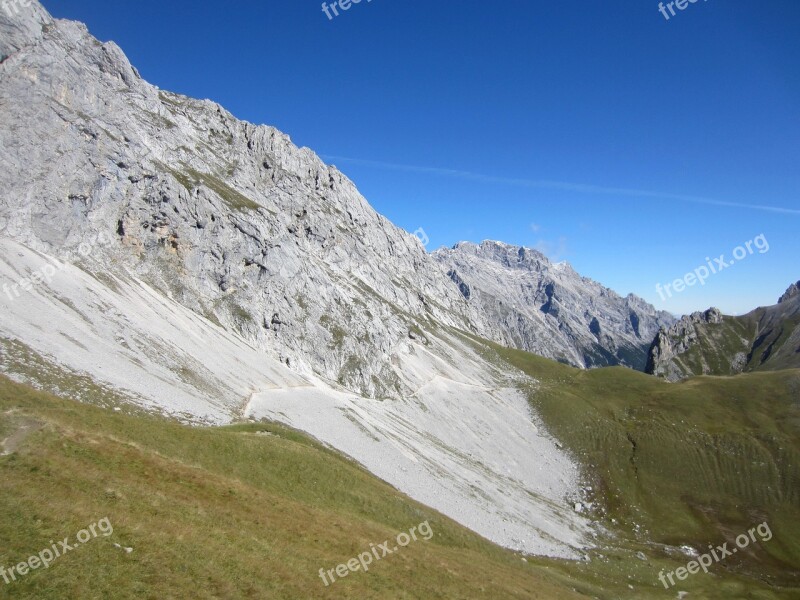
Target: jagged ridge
pixel 549 309
pixel 710 343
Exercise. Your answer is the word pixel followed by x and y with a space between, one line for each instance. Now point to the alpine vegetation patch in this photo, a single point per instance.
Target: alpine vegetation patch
pixel 376 551
pixel 332 10
pixel 679 4
pixel 716 554
pixel 712 267
pixel 56 550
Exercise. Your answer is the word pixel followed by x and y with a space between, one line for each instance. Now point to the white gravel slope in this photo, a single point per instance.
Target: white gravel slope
pixel 472 451
pixel 465 443
pixel 127 336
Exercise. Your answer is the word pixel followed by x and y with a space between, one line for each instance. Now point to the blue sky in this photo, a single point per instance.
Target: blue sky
pixel 600 132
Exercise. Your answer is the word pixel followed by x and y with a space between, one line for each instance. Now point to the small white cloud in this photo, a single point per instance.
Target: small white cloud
pixel 552 250
pixel 535 227
pixel 564 185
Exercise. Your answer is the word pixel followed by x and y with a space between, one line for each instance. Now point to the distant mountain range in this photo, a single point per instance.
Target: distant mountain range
pixel 549 309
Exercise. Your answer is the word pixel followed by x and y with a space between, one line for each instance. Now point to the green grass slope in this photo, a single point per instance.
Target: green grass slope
pixel 693 463
pixel 778 344
pixel 255 510
pixel 247 511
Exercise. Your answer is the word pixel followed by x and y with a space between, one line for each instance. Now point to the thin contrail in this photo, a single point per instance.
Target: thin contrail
pixel 559 185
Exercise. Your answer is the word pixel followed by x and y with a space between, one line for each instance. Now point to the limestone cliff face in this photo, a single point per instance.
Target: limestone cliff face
pixel 156 251
pixel 549 309
pixel 238 224
pixel 231 219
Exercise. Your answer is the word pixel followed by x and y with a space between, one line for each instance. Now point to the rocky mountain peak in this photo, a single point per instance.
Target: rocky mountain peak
pixel 549 309
pixel 508 255
pixel 209 267
pixel 792 292
pixel 236 221
pixel 708 343
pixel 229 218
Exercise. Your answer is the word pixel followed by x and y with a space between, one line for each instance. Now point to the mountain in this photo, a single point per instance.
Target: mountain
pixel 229 219
pixel 236 223
pixel 175 266
pixel 711 343
pixel 549 309
pixel 156 251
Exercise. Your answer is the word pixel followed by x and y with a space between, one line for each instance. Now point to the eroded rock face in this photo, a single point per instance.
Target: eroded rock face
pixel 710 343
pixel 194 264
pixel 792 292
pixel 549 309
pixel 674 341
pixel 238 224
pixel 230 219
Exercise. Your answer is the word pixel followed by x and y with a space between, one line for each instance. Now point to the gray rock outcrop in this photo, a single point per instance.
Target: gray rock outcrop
pixel 549 309
pixel 767 338
pixel 792 292
pixel 674 341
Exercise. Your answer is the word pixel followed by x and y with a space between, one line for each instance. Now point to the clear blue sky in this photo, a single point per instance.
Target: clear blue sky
pixel 599 132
